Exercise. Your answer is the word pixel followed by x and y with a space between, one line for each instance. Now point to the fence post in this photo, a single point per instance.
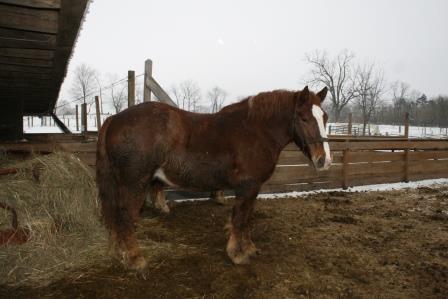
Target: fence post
pixel 148 74
pixel 83 118
pixel 345 159
pixel 406 151
pixel 349 124
pixel 98 113
pixel 406 125
pixel 131 88
pixel 77 118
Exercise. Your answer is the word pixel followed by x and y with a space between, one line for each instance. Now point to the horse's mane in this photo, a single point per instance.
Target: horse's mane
pixel 266 105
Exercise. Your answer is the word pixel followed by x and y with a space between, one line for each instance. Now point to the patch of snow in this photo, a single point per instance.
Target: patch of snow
pixel 367 188
pixel 43 129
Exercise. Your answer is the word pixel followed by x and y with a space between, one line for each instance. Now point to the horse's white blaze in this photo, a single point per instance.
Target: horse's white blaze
pixel 159 174
pixel 319 116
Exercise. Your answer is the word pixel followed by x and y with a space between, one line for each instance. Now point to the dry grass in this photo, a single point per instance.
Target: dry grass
pixel 61 212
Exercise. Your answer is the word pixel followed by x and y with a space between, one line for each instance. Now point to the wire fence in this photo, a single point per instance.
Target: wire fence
pixel 95 92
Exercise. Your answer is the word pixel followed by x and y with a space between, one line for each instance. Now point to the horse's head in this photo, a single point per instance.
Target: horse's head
pixel 309 123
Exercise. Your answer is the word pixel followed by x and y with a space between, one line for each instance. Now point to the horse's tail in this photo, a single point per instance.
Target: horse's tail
pixel 105 178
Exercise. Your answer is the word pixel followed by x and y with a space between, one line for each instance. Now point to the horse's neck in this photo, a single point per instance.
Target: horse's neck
pixel 278 129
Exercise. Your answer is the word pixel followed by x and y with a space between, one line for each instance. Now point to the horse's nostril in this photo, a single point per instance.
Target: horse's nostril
pixel 321 162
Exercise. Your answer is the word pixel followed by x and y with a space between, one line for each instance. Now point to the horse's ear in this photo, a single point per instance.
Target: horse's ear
pixel 304 95
pixel 322 94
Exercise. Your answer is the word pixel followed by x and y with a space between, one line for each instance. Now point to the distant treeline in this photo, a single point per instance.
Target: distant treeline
pixel 422 112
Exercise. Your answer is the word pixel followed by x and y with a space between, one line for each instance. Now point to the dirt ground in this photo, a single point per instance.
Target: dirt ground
pixel 332 245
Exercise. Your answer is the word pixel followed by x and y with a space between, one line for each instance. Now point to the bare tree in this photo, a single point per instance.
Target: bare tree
pixel 400 95
pixel 84 82
pixel 216 96
pixel 117 93
pixel 187 95
pixel 368 88
pixel 334 72
pixel 400 90
pixel 64 107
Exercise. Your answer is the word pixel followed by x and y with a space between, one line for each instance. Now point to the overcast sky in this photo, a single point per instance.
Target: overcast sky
pixel 248 46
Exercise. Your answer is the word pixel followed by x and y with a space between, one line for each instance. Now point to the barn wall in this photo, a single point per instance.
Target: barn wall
pixel 11 120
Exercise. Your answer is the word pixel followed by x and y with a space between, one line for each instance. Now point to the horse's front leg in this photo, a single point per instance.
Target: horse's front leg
pixel 240 246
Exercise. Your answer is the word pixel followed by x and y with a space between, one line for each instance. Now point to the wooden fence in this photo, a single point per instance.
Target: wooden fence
pixel 362 162
pixel 355 161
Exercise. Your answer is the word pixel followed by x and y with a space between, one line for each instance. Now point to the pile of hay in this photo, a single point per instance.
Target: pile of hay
pixel 56 201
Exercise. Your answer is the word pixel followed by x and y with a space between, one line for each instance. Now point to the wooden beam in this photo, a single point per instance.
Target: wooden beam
pixel 77 117
pixel 11 120
pixel 383 145
pixel 25 69
pixel 158 91
pixel 60 124
pixel 45 4
pixel 18 74
pixel 131 88
pixel 349 130
pixel 23 18
pixel 6 42
pixel 27 35
pixel 406 125
pixel 25 83
pixel 98 113
pixel 27 94
pixel 27 53
pixel 345 166
pixel 84 118
pixel 26 61
pixel 148 74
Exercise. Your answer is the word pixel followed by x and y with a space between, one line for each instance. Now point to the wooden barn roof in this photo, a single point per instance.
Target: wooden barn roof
pixel 37 38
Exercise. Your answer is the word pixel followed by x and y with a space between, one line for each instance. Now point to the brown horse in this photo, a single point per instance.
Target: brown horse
pixel 152 144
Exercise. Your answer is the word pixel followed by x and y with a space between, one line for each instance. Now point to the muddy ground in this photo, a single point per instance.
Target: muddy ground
pixel 336 245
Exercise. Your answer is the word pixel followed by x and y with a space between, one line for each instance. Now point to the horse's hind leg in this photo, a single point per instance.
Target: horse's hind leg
pixel 240 246
pixel 218 197
pixel 157 196
pixel 126 218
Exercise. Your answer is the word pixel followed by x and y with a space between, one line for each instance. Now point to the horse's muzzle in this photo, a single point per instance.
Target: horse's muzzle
pixel 322 163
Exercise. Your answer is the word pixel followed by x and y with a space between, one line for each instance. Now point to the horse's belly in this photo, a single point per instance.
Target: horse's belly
pixel 200 176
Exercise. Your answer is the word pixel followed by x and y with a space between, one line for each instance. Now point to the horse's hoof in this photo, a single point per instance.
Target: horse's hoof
pixel 138 263
pixel 222 201
pixel 165 210
pixel 240 259
pixel 253 251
